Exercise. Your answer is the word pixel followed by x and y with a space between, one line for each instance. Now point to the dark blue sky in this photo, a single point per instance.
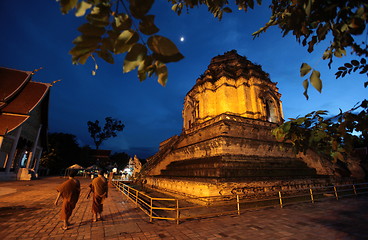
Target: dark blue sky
pixel 35 34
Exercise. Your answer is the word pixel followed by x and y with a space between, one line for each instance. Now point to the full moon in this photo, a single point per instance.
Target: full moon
pixel 181 39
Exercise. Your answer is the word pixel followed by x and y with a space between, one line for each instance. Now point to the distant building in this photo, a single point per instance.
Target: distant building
pixel 23 123
pixel 100 157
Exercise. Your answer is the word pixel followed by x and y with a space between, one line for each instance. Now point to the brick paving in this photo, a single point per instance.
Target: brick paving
pixel 27 212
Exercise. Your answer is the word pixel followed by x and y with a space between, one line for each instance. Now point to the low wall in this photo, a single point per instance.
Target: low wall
pixel 204 187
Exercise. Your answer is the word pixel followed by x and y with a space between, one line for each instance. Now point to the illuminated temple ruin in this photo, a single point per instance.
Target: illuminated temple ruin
pixel 226 145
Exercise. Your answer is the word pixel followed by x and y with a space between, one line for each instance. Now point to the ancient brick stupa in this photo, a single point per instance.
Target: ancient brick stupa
pixel 226 144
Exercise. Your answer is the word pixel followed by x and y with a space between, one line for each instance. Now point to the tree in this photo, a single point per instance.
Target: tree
pixel 111 28
pixel 120 158
pixel 84 156
pixel 333 137
pixel 110 129
pixel 63 151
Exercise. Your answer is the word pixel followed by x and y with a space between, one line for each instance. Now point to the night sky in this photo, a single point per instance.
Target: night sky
pixel 35 34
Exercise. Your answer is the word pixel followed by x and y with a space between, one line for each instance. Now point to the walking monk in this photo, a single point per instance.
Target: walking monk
pixel 69 191
pixel 99 188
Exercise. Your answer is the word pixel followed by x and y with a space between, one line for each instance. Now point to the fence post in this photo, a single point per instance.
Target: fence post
pixel 280 199
pixel 151 211
pixel 177 211
pixel 355 192
pixel 311 194
pixel 238 203
pixel 336 195
pixel 128 192
pixel 136 197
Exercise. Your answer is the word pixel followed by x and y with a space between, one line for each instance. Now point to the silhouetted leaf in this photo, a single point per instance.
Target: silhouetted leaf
pixel 164 50
pixel 308 7
pixel 147 26
pixel 175 7
pixel 82 7
pixel 322 31
pixel 139 8
pixel 339 52
pixel 311 44
pixel 348 65
pixel 125 41
pixel 87 41
pixel 80 54
pixel 305 84
pixel 106 55
pixel 327 54
pixel 304 69
pixel 355 62
pixel 316 81
pixel 67 5
pixel 99 20
pixel 344 27
pixel 145 68
pixel 338 74
pixel 134 57
pixel 91 30
pixel 305 93
pixel 357 26
pixel 250 4
pixel 321 112
pixel 161 71
pixel 365 69
pixel 108 44
pixel 122 22
pixel 227 10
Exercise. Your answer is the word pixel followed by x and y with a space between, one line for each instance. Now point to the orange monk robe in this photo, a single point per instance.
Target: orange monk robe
pixel 69 191
pixel 100 189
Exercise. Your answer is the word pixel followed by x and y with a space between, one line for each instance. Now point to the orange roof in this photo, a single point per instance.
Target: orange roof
pixel 18 97
pixel 27 99
pixel 11 81
pixel 10 122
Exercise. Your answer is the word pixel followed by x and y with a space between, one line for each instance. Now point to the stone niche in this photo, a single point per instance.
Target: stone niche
pixel 226 145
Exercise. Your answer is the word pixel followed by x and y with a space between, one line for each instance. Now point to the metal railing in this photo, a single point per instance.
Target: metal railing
pixel 181 209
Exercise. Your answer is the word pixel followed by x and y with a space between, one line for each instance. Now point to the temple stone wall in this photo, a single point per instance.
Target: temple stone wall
pixel 201 188
pixel 229 125
pixel 244 97
pixel 226 135
pixel 223 146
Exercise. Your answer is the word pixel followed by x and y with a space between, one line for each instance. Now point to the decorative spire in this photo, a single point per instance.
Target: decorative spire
pixel 233 66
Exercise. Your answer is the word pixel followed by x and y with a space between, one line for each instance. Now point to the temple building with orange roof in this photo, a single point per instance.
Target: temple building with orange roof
pixel 23 123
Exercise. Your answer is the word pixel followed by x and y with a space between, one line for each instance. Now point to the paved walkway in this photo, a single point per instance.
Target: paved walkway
pixel 27 212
